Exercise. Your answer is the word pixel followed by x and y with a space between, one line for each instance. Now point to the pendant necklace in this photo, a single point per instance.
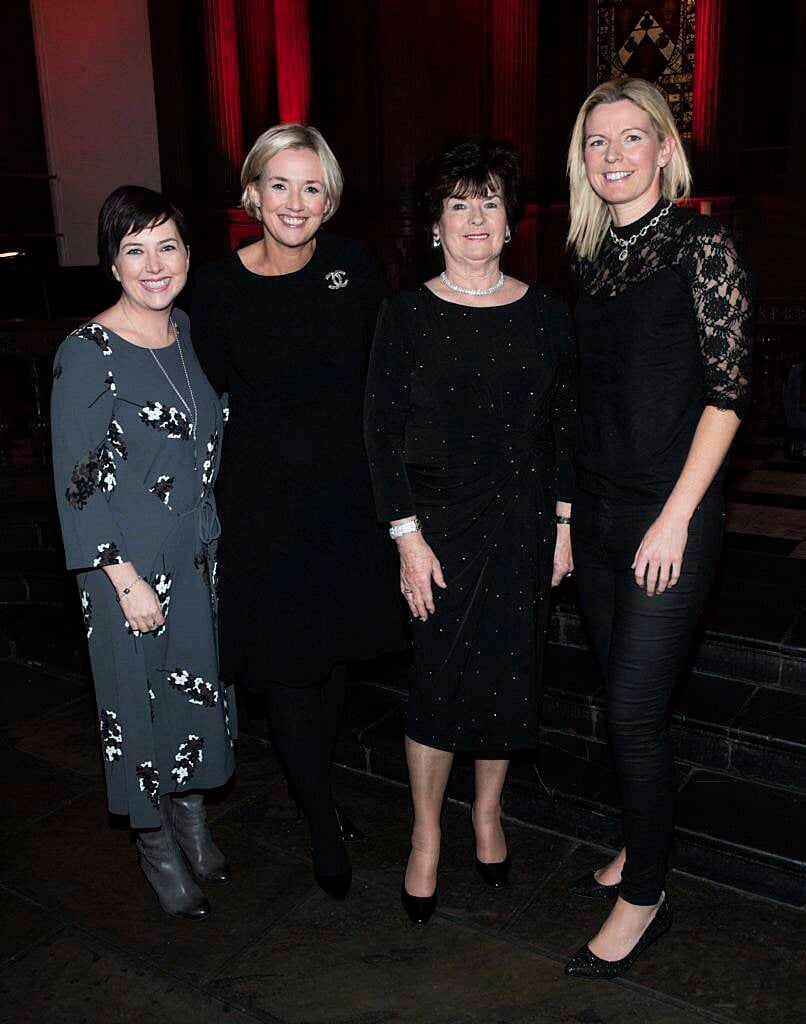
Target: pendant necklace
pixel 194 416
pixel 625 243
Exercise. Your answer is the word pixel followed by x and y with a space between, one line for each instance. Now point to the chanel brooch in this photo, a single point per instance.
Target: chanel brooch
pixel 338 279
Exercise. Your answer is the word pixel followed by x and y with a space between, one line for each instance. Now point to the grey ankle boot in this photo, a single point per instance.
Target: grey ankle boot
pixel 167 872
pixel 192 833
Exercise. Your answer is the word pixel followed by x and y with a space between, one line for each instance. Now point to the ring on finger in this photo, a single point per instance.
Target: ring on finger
pixel 407 592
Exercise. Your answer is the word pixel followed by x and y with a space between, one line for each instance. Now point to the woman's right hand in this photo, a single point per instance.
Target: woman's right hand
pixel 418 567
pixel 141 608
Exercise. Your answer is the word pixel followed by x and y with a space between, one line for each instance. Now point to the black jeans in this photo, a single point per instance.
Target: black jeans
pixel 641 643
pixel 305 723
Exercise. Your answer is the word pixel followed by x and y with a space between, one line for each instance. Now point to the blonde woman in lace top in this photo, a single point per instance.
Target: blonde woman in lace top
pixel 664 332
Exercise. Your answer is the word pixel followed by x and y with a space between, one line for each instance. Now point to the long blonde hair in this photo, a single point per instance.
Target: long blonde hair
pixel 590 217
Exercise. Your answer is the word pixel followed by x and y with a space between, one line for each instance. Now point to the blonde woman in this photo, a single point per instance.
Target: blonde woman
pixel 284 326
pixel 664 333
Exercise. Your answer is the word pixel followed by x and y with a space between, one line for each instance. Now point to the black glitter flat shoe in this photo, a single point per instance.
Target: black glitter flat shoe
pixel 494 875
pixel 420 909
pixel 590 889
pixel 584 964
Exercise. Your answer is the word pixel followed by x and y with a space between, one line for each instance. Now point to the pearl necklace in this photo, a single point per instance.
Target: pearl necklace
pixel 472 291
pixel 625 243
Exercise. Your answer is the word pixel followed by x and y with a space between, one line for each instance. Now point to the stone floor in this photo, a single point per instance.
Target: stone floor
pixel 83 939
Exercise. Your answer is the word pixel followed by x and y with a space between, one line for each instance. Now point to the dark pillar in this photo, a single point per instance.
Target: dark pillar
pixel 796 166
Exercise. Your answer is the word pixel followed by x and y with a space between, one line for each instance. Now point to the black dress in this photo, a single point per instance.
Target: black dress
pixel 469 419
pixel 306 575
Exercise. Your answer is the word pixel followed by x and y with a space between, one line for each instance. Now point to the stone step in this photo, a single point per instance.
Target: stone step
pixel 753 628
pixel 744 730
pixel 738 832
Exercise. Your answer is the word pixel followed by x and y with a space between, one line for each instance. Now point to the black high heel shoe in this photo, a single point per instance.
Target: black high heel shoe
pixel 349 831
pixel 420 909
pixel 337 886
pixel 494 875
pixel 588 888
pixel 584 964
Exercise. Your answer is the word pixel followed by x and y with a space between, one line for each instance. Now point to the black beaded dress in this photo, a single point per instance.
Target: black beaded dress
pixel 469 423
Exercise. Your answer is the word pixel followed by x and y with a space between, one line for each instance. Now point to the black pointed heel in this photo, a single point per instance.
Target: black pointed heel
pixel 420 909
pixel 350 832
pixel 584 964
pixel 588 888
pixel 336 886
pixel 494 875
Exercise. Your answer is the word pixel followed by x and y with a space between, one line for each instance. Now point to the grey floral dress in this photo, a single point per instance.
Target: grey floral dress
pixel 133 484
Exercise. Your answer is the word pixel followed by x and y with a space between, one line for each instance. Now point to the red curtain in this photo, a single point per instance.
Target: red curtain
pixel 221 45
pixel 256 47
pixel 711 16
pixel 293 59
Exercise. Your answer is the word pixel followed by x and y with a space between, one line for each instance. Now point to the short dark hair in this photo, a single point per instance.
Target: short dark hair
pixel 467 167
pixel 130 209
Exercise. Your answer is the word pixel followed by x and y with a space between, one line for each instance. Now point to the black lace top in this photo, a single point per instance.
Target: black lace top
pixel 661 334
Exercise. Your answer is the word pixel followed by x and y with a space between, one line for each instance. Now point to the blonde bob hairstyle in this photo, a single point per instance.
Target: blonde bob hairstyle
pixel 291 136
pixel 590 217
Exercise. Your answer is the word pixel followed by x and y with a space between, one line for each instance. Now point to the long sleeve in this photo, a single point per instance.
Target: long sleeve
pixel 209 320
pixel 722 306
pixel 88 443
pixel 386 408
pixel 564 411
pixel 375 287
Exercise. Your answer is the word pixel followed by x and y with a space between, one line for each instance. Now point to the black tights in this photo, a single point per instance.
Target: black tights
pixel 641 643
pixel 305 725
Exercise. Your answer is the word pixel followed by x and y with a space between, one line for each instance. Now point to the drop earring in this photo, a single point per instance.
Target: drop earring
pixel 507 235
pixel 435 241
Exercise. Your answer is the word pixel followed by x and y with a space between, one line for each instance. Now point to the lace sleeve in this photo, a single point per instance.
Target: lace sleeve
pixel 721 295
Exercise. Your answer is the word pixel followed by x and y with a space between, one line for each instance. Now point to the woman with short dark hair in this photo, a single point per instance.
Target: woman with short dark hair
pixel 136 435
pixel 468 425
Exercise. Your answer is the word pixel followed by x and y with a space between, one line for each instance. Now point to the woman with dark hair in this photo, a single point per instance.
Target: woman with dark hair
pixel 136 434
pixel 664 330
pixel 284 325
pixel 468 425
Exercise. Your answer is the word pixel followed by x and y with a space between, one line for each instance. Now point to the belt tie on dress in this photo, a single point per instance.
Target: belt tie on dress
pixel 207 522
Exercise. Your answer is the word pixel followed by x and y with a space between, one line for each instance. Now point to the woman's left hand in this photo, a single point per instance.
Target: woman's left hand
pixel 563 559
pixel 658 561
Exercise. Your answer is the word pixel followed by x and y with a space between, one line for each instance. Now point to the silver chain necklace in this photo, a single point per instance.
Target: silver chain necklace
pixel 625 243
pixel 194 416
pixel 472 291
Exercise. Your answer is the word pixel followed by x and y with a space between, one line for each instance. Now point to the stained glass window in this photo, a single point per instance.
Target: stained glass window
pixel 652 40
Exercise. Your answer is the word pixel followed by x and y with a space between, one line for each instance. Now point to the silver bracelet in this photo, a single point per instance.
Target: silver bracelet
pixel 562 520
pixel 127 590
pixel 412 526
